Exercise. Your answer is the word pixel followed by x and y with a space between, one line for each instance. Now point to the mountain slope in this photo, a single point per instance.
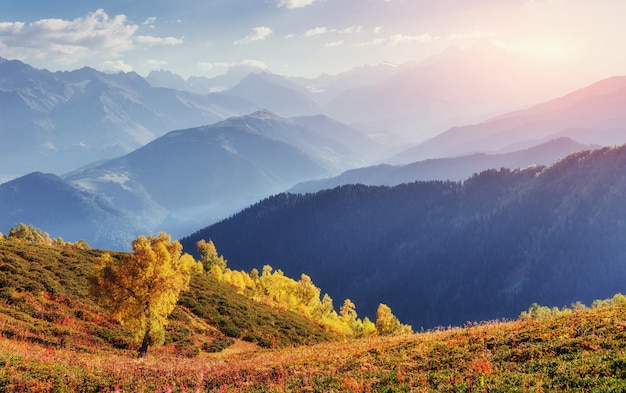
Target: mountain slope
pixel 44 300
pixel 456 86
pixel 59 121
pixel 203 174
pixel 276 93
pixel 442 253
pixel 47 201
pixel 579 349
pixel 456 169
pixel 592 115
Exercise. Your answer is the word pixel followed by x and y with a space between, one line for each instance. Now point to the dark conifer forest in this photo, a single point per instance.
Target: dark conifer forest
pixel 444 253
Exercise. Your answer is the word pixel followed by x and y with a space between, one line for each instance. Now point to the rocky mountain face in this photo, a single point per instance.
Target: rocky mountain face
pixel 59 121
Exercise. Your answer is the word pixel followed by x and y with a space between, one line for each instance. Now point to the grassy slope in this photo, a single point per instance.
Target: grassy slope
pixel 44 300
pixel 52 338
pixel 580 351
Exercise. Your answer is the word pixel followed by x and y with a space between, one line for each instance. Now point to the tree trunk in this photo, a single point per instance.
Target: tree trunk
pixel 145 343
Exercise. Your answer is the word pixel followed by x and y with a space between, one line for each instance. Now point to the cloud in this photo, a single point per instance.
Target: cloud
pixel 118 65
pixel 73 41
pixel 244 63
pixel 151 41
pixel 294 3
pixel 400 39
pixel 325 30
pixel 150 21
pixel 257 34
pixel 472 35
pixel 334 43
pixel 351 30
pixel 316 31
pixel 154 63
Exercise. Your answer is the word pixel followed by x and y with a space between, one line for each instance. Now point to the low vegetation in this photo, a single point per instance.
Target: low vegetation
pixel 582 349
pixel 55 338
pixel 273 288
pixel 44 299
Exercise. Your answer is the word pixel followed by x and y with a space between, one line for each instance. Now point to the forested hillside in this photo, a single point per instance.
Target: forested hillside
pixel 44 299
pixel 443 253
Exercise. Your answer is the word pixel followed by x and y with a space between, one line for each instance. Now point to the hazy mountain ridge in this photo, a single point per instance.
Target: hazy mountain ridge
pixel 277 93
pixel 227 166
pixel 47 201
pixel 62 120
pixel 591 115
pixel 456 169
pixel 443 253
pixel 457 86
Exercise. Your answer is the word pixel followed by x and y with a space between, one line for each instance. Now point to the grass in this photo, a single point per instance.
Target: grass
pixel 44 300
pixel 53 338
pixel 579 351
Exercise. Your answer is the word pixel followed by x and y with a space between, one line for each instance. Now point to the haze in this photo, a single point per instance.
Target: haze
pixel 583 40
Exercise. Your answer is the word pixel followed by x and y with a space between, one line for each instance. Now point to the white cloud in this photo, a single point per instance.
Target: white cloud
pixel 118 65
pixel 316 31
pixel 11 27
pixel 472 35
pixel 244 63
pixel 400 39
pixel 294 3
pixel 333 44
pixel 154 63
pixel 73 41
pixel 257 34
pixel 351 30
pixel 151 41
pixel 150 21
pixel 325 30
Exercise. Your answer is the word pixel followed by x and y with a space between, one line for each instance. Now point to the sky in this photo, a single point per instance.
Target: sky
pixel 586 38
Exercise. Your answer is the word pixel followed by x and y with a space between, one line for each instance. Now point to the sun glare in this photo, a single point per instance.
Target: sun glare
pixel 553 50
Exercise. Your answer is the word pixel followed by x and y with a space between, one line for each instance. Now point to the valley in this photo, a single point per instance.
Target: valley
pixel 312 196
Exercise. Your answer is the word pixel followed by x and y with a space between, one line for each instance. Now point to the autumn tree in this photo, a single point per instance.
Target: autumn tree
pixel 141 289
pixel 213 263
pixel 27 233
pixel 388 324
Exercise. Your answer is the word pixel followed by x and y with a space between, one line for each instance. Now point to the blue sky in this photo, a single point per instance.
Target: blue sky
pixel 307 37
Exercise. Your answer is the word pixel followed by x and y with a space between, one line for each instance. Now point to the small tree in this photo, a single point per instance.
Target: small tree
pixel 388 324
pixel 212 262
pixel 141 289
pixel 27 233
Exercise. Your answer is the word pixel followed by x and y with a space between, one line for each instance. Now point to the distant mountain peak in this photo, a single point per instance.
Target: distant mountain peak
pixel 264 114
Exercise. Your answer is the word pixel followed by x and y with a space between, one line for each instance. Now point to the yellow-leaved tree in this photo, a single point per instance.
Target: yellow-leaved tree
pixel 388 324
pixel 141 289
pixel 213 263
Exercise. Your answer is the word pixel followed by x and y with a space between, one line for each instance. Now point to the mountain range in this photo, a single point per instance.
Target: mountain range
pixel 227 166
pixel 442 253
pixel 592 115
pixel 454 168
pixel 107 134
pixel 47 201
pixel 59 121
